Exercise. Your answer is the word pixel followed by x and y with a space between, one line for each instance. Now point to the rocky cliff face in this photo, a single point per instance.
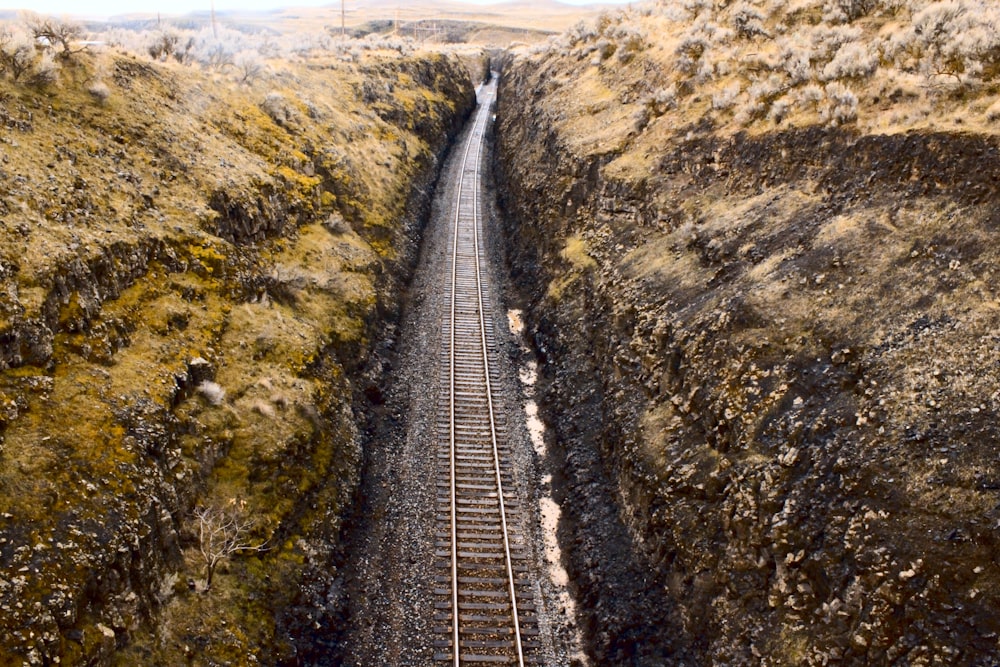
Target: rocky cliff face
pixel 777 348
pixel 196 278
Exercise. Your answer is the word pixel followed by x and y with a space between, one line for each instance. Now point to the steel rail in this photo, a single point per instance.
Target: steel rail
pixel 475 138
pixel 489 400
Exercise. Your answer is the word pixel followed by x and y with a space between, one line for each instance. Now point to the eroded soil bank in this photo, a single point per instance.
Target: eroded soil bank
pixel 769 363
pixel 198 277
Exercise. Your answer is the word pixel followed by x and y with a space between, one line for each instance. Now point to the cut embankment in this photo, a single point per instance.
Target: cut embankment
pixel 197 276
pixel 768 367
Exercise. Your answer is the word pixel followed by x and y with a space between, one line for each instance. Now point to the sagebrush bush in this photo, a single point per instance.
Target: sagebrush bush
pixel 957 39
pixel 848 10
pixel 727 97
pixel 748 21
pixel 842 105
pixel 212 392
pixel 99 91
pixel 779 111
pixel 853 60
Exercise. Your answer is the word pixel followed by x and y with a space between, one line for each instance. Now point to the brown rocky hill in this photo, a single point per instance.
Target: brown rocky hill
pixel 199 269
pixel 759 243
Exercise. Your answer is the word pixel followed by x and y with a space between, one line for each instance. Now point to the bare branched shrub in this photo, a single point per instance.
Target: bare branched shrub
pixel 216 57
pixel 54 33
pixel 224 532
pixel 249 66
pixel 17 53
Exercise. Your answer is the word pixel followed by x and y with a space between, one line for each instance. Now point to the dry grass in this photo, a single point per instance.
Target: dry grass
pixel 632 78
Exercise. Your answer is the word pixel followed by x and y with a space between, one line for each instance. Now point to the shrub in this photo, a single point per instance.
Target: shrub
pixel 605 49
pixel 779 110
pixel 212 392
pixel 45 73
pixel 748 22
pixel 54 32
pixel 690 52
pixel 766 90
pixel 630 43
pixel 811 96
pixel 99 91
pixel 17 53
pixel 826 41
pixel 796 64
pixel 726 98
pixel 842 106
pixel 993 113
pixel 163 45
pixel 281 111
pixel 954 39
pixel 661 101
pixel 853 60
pixel 249 66
pixel 847 10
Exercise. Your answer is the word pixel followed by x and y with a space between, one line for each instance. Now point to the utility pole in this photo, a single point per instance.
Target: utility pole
pixel 215 28
pixel 343 24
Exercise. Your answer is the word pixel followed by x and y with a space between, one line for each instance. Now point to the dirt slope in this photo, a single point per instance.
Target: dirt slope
pixel 196 275
pixel 776 336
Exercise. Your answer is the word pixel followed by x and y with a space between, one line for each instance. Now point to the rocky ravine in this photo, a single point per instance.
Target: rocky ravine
pixel 197 276
pixel 775 354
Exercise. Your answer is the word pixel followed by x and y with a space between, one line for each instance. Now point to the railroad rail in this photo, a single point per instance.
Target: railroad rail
pixel 484 611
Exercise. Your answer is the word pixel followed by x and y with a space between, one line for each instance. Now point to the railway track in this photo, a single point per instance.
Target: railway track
pixel 484 608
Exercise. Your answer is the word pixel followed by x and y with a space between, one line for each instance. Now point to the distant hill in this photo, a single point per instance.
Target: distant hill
pixel 545 15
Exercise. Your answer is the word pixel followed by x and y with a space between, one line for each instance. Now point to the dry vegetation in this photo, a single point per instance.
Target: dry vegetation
pixel 873 65
pixel 201 239
pixel 764 233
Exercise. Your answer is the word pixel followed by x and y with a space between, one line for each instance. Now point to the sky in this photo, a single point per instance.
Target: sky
pixel 105 8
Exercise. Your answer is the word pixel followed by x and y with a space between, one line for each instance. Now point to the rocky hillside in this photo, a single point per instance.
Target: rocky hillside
pixel 198 271
pixel 766 302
